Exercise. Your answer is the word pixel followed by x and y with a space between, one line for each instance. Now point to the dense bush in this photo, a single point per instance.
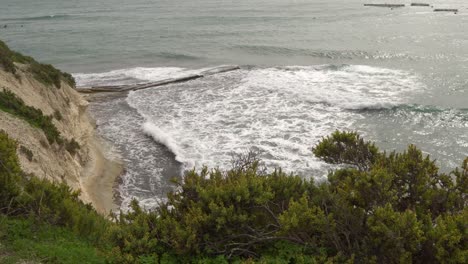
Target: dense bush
pixel 44 221
pixel 346 148
pixel 49 75
pixel 10 173
pixel 44 73
pixel 397 208
pixel 384 208
pixel 53 203
pixel 6 60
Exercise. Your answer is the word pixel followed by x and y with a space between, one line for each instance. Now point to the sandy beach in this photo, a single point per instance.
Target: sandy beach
pixel 99 179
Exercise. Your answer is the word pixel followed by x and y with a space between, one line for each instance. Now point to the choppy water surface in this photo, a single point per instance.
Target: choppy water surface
pixel 308 68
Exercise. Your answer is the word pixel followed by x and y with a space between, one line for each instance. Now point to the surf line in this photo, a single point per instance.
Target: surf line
pixel 134 87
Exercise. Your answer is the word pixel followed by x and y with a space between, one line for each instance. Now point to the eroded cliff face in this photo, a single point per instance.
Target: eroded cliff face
pixel 87 169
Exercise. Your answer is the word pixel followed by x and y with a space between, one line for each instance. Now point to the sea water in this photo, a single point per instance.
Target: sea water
pixel 308 67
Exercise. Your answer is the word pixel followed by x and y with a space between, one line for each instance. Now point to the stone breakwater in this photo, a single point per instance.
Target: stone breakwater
pixel 134 87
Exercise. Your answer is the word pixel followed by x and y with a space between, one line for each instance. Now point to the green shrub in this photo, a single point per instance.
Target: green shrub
pixel 44 73
pixel 346 148
pixel 387 208
pixel 55 204
pixel 49 75
pixel 6 60
pixel 396 208
pixel 12 104
pixel 10 173
pixel 68 78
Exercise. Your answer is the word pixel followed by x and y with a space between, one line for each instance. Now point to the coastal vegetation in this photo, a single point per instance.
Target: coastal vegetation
pixel 377 207
pixel 14 105
pixel 45 73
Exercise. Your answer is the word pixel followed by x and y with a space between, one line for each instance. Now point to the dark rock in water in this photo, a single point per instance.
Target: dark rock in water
pixel 446 10
pixel 419 4
pixel 385 5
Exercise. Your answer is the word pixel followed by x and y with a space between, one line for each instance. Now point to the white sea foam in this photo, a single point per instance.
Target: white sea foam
pixel 278 112
pixel 159 136
pixel 145 162
pixel 139 75
pixel 128 76
pixel 348 87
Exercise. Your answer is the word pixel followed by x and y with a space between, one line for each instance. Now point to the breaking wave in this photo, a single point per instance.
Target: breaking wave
pixel 159 136
pixel 279 113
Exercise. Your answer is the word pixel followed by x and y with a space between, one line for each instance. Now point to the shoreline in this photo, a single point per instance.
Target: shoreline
pixel 149 165
pixel 100 176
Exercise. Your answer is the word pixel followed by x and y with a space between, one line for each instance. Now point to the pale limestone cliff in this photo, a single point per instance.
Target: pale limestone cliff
pixel 87 170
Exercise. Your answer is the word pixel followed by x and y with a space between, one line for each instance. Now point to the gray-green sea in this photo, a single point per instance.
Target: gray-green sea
pixel 308 67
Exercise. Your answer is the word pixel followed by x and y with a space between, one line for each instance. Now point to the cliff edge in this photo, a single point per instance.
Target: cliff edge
pixel 75 155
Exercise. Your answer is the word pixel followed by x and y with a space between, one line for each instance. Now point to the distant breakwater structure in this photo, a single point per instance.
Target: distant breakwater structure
pixel 385 5
pixel 454 10
pixel 420 4
pixel 140 86
pixel 446 10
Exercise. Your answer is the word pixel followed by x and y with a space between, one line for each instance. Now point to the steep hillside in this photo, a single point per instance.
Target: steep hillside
pixel 74 156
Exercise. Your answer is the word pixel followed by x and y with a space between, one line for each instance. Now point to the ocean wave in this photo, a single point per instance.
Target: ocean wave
pixel 161 137
pixel 148 166
pixel 278 112
pixel 350 87
pixel 431 116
